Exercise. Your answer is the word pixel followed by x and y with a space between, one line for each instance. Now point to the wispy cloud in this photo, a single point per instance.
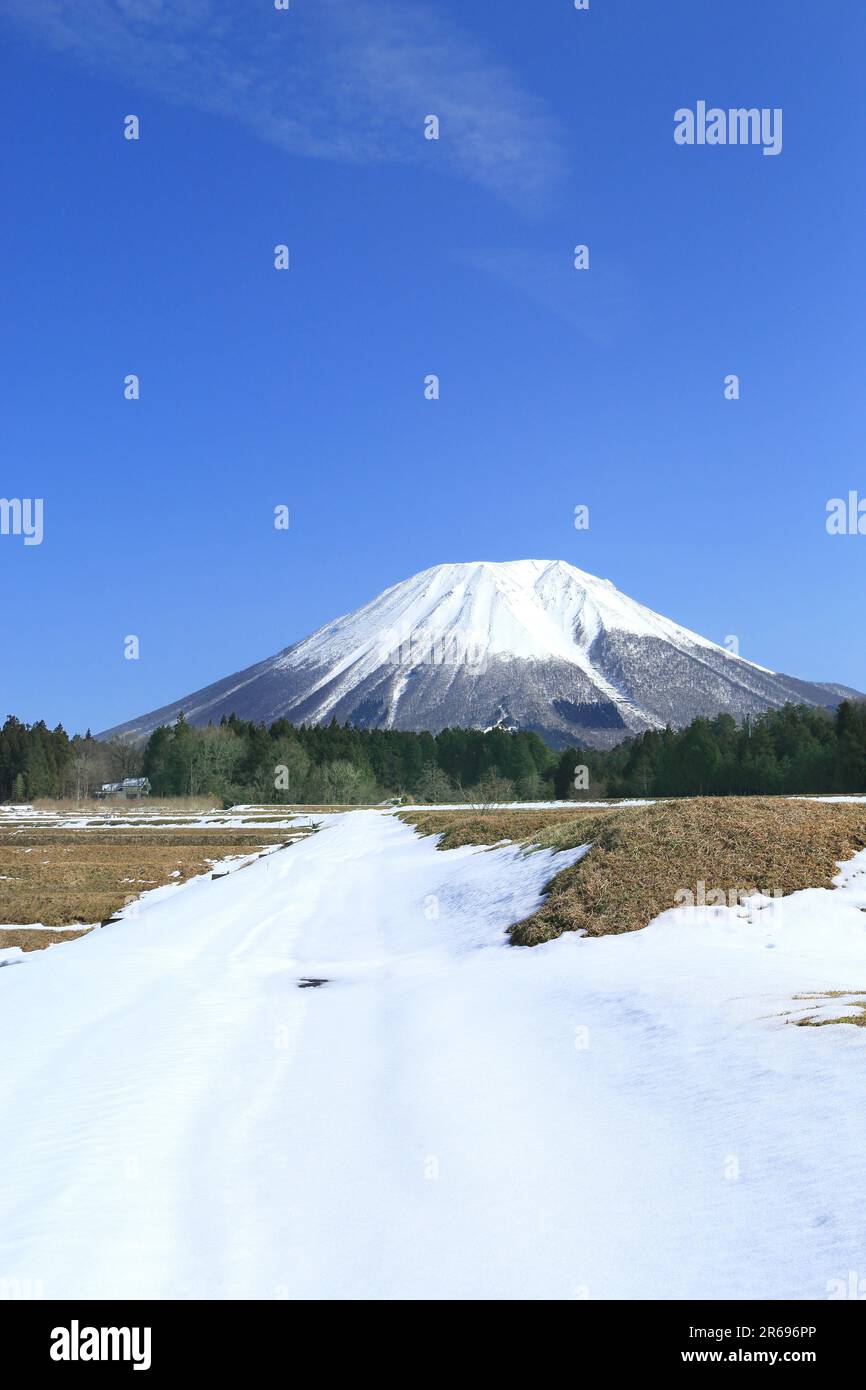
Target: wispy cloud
pixel 601 304
pixel 345 80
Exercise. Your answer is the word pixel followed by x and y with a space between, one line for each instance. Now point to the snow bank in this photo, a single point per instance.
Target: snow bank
pixel 447 1116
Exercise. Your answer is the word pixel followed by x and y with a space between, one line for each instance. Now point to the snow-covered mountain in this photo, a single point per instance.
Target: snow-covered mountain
pixel 531 644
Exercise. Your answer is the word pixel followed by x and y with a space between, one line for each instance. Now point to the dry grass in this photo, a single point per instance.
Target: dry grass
pixel 471 827
pixel 36 940
pixel 853 996
pixel 148 805
pixel 64 877
pixel 642 856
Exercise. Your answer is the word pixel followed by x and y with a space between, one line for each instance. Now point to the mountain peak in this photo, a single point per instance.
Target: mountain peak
pixel 539 644
pixel 532 609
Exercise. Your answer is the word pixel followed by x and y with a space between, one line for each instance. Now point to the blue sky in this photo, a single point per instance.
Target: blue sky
pixel 410 257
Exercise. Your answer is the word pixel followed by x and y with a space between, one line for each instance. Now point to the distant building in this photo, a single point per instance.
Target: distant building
pixel 130 789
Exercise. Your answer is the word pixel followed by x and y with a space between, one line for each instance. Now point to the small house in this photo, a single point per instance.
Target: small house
pixel 130 789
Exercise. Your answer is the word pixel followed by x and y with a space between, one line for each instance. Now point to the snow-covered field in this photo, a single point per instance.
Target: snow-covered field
pixel 140 816
pixel 446 1116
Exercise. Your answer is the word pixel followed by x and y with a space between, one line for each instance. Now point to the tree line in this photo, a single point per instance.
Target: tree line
pixel 317 764
pixel 794 749
pixel 36 761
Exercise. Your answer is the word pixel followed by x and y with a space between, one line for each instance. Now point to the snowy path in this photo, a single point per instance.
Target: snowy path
pixel 447 1116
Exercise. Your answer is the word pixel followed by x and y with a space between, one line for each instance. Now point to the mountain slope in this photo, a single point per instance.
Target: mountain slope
pixel 534 644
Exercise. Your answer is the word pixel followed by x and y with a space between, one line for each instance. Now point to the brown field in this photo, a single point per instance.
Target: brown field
pixel 65 877
pixel 56 874
pixel 641 856
pixel 147 806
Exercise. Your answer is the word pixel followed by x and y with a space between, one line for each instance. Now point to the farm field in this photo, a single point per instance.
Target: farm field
pixel 255 1085
pixel 67 869
pixel 646 857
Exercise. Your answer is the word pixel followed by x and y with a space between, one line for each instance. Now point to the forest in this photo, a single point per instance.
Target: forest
pixel 796 749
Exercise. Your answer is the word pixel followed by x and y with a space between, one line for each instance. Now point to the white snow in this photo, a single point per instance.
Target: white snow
pixel 530 609
pixel 524 608
pixel 447 1116
pixel 833 800
pixel 40 926
pixel 269 817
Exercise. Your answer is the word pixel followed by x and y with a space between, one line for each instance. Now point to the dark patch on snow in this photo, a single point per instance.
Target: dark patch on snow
pixel 369 713
pixel 590 715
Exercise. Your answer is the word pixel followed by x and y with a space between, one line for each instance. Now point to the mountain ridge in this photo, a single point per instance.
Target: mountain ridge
pixel 536 644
